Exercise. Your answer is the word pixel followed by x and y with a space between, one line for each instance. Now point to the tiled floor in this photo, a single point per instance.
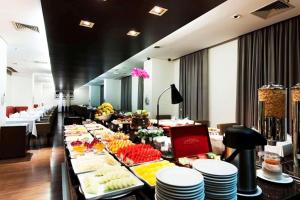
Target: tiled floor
pixel 38 175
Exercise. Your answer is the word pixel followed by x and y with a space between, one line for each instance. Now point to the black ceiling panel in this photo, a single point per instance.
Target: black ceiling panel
pixel 79 54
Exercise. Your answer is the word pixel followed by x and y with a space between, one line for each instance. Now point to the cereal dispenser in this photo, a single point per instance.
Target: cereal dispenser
pixel 272 112
pixel 295 121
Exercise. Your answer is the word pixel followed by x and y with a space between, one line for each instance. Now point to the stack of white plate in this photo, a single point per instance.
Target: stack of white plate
pixel 179 183
pixel 220 178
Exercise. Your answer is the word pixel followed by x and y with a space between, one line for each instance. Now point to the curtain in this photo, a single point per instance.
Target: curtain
pixel 141 93
pixel 268 55
pixel 101 94
pixel 193 85
pixel 126 94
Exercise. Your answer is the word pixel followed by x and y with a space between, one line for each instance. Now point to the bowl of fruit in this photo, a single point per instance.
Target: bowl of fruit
pixel 104 112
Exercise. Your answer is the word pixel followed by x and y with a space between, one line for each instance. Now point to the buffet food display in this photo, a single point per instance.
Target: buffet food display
pixel 115 145
pixel 104 111
pixel 137 154
pixel 147 172
pixel 109 165
pixel 75 130
pixel 108 182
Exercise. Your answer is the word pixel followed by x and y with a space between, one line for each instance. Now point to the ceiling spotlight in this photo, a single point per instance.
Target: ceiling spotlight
pixel 86 23
pixel 236 16
pixel 159 11
pixel 133 33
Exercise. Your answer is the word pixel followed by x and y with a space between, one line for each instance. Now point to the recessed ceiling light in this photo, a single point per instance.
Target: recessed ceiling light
pixel 86 23
pixel 133 33
pixel 156 10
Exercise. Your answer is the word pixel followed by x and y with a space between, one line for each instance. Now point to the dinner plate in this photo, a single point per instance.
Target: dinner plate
pixel 286 179
pixel 196 187
pixel 161 196
pixel 181 191
pixel 178 195
pixel 220 180
pixel 179 177
pixel 215 167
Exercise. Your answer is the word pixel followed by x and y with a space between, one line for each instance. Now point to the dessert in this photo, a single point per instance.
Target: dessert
pixel 271 166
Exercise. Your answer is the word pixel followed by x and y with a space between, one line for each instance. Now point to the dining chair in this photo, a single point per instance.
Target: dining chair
pixel 43 132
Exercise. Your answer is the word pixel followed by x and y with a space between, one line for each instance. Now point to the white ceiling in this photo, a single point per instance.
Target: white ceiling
pixel 25 47
pixel 210 29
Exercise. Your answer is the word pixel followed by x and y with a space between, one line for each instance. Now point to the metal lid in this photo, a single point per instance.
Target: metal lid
pixel 297 86
pixel 272 86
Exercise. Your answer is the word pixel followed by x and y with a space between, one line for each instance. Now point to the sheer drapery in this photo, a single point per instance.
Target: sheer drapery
pixel 193 85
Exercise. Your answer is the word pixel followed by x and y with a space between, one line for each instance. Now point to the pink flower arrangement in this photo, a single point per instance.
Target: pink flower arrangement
pixel 137 72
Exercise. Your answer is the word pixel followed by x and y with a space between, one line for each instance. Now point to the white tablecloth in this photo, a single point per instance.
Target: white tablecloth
pixel 29 121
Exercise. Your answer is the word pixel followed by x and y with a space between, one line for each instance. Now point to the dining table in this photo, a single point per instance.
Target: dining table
pixel 29 117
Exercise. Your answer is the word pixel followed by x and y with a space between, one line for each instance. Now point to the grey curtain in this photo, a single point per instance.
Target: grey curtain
pixel 101 94
pixel 193 85
pixel 141 94
pixel 268 55
pixel 126 87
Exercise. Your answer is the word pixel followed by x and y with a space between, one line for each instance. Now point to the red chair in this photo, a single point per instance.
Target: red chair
pixel 21 108
pixel 10 110
pixel 190 140
pixel 35 105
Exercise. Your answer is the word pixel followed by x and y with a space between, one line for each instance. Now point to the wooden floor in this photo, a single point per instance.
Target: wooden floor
pixel 37 176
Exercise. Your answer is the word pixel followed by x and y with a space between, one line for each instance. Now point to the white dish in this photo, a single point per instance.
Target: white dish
pixel 285 179
pixel 101 193
pixel 194 195
pixel 215 167
pixel 178 189
pixel 179 176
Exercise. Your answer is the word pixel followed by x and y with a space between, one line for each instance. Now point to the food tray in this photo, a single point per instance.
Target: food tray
pixel 136 164
pixel 86 160
pixel 71 138
pixel 101 193
pixel 74 154
pixel 136 174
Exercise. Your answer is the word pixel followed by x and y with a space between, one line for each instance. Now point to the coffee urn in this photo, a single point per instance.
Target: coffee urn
pixel 244 141
pixel 272 112
pixel 295 121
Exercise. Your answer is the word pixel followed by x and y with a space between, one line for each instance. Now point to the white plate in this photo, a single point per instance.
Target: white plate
pixel 285 179
pixel 194 195
pixel 220 180
pixel 179 176
pixel 180 192
pixel 215 167
pixel 169 197
pixel 101 193
pixel 178 189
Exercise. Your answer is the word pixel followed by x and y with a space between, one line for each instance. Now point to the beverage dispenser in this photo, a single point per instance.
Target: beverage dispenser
pixel 272 112
pixel 295 121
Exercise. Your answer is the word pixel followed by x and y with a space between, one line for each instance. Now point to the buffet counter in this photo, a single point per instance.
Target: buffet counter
pixel 146 192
